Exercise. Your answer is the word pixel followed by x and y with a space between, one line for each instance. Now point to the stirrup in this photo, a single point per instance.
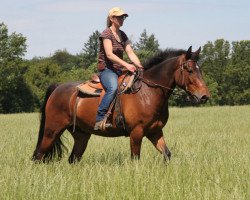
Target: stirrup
pixel 102 125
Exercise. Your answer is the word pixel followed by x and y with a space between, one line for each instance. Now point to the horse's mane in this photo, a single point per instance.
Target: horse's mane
pixel 162 55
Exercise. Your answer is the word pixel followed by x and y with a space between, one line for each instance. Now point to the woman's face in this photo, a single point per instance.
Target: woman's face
pixel 118 20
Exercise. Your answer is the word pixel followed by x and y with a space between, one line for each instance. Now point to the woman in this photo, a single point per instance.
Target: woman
pixel 113 42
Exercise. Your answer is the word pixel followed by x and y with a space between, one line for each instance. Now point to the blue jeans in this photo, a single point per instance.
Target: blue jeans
pixel 109 80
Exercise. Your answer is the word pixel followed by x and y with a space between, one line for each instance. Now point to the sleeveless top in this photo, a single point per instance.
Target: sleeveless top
pixel 118 49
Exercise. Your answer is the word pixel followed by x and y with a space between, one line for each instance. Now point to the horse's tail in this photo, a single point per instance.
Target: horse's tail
pixel 57 146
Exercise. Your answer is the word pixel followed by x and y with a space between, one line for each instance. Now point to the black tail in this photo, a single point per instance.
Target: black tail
pixel 58 146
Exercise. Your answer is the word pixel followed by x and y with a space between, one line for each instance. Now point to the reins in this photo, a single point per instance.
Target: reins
pixel 154 84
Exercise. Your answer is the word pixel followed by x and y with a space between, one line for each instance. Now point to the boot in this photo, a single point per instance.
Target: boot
pixel 98 126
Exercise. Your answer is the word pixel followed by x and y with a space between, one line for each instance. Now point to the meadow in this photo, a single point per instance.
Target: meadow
pixel 210 160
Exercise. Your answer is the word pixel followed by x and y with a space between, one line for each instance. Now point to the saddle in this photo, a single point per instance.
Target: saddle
pixel 93 87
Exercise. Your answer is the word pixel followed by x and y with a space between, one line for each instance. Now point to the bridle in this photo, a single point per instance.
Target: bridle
pixel 183 66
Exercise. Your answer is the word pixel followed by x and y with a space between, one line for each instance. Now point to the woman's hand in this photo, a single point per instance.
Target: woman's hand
pixel 140 67
pixel 131 67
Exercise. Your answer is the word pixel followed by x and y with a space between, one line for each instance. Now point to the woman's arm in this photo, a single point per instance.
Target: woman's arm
pixel 115 59
pixel 132 56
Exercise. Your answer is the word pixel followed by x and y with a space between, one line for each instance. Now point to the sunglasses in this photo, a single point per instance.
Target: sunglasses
pixel 122 17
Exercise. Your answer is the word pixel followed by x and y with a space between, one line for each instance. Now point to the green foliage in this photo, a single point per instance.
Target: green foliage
pixel 12 47
pixel 90 50
pixel 216 58
pixel 40 75
pixel 147 46
pixel 15 94
pixel 76 74
pixel 148 43
pixel 227 73
pixel 65 60
pixel 238 75
pixel 213 89
pixel 45 71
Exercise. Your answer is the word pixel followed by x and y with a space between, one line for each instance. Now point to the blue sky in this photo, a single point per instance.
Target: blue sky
pixel 60 24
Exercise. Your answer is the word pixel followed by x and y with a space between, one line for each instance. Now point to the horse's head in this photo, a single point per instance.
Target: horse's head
pixel 188 77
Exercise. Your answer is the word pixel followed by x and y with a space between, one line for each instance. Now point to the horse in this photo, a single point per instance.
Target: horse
pixel 145 111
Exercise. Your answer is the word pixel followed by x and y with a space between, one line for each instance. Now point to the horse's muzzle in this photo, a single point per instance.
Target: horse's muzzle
pixel 198 98
pixel 204 99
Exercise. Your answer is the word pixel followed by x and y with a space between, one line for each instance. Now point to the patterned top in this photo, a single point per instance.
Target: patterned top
pixel 118 49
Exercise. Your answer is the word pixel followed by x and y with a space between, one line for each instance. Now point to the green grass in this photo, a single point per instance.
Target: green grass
pixel 210 160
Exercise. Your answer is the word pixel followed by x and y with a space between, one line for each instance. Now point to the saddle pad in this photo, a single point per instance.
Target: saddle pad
pixel 85 88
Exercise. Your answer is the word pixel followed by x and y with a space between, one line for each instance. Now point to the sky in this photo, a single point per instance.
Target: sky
pixel 67 24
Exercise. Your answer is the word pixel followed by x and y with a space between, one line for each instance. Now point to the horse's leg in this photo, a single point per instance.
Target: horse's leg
pixel 51 144
pixel 136 136
pixel 45 147
pixel 158 141
pixel 80 143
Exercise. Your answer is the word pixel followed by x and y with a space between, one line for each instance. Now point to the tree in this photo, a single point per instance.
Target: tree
pixel 15 94
pixel 40 75
pixel 65 60
pixel 216 57
pixel 91 49
pixel 237 75
pixel 147 45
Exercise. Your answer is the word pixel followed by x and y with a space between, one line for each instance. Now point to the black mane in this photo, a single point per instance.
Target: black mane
pixel 161 55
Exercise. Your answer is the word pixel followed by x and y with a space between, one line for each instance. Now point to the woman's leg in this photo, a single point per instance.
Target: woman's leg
pixel 109 80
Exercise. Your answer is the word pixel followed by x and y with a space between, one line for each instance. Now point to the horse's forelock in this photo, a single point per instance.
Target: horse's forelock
pixel 194 57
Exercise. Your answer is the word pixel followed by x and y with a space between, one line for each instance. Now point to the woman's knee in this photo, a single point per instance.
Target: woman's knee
pixel 114 86
pixel 112 89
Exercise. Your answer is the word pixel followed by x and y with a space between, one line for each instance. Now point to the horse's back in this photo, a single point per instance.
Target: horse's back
pixel 59 101
pixel 73 102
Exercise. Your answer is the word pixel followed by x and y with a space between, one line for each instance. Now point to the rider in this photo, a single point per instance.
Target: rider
pixel 113 42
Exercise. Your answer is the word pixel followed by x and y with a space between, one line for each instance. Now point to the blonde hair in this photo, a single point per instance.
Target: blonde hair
pixel 109 23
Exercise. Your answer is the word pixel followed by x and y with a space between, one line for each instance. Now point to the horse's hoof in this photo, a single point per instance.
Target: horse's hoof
pixel 167 155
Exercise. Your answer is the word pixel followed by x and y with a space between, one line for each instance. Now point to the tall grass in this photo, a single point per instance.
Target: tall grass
pixel 210 160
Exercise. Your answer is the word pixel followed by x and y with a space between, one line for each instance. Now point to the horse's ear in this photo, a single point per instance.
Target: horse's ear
pixel 189 53
pixel 198 51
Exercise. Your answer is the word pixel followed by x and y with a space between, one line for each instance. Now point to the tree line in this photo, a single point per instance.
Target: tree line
pixel 225 67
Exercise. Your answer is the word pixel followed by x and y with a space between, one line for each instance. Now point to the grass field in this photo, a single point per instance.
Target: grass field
pixel 210 160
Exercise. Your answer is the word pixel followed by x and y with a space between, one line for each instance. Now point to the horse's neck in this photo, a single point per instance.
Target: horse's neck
pixel 162 74
pixel 157 96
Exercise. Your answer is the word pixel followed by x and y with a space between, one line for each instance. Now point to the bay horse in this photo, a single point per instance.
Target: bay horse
pixel 145 112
